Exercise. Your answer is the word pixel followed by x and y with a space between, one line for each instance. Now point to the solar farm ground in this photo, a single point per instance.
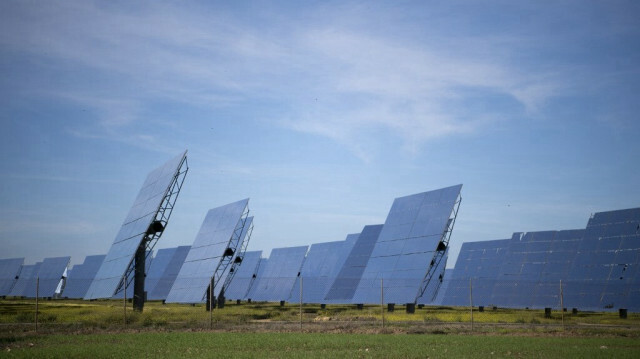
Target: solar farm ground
pixel 72 329
pixel 314 345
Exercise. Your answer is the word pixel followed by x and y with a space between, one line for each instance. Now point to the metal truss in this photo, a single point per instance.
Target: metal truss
pixel 253 278
pixel 227 257
pixel 157 226
pixel 238 260
pixel 439 254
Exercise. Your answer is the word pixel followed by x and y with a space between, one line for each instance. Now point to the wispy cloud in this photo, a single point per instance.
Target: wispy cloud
pixel 327 77
pixel 47 228
pixel 27 177
pixel 415 92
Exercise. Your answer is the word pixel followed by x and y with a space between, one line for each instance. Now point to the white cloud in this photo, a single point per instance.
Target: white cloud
pixel 413 88
pixel 48 178
pixel 46 228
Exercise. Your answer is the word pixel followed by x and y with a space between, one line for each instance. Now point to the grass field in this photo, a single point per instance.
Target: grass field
pixel 76 329
pixel 314 345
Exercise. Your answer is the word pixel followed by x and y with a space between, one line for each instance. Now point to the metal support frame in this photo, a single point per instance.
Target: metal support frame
pixel 136 270
pixel 37 296
pixel 15 280
pixel 62 284
pixel 209 303
pixel 234 242
pixel 234 265
pixel 139 276
pixel 440 254
pixel 253 279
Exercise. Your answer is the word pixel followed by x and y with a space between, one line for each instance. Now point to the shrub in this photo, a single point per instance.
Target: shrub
pixel 47 318
pixel 25 317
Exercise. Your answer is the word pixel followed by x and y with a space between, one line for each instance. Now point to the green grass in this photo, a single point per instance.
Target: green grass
pixel 312 345
pixel 75 328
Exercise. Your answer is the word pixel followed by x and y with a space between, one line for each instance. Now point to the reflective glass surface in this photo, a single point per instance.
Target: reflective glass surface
pixel 147 266
pixel 406 246
pixel 50 273
pixel 598 267
pixel 344 286
pixel 134 227
pixel 164 283
pixel 319 270
pixel 262 265
pixel 206 253
pixel 80 277
pixel 26 279
pixel 239 286
pixel 280 274
pixel 9 271
pixel 481 262
pixel 157 268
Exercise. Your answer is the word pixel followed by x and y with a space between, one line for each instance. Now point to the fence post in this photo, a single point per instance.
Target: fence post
pixel 37 295
pixel 471 301
pixel 125 301
pixel 211 299
pixel 301 303
pixel 382 300
pixel 561 305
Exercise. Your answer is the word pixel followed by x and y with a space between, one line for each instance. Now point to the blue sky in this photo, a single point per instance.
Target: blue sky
pixel 321 112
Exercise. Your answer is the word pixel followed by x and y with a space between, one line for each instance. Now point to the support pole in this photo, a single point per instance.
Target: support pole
pixel 561 305
pixel 471 301
pixel 300 303
pixel 211 299
pixel 124 302
pixel 37 295
pixel 138 278
pixel 382 300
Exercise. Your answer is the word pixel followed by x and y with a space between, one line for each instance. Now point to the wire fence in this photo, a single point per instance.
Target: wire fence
pixel 461 305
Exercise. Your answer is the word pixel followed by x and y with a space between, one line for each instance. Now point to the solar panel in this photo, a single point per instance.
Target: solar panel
pixel 80 277
pixel 608 218
pixel 164 283
pixel 344 286
pixel 26 279
pixel 345 250
pixel 533 260
pixel 479 261
pixel 157 268
pixel 152 205
pixel 212 250
pixel 9 271
pixel 598 267
pixel 50 274
pixel 413 237
pixel 318 271
pixel 560 255
pixel 130 287
pixel 253 286
pixel 545 289
pixel 516 271
pixel 280 274
pixel 603 276
pixel 245 275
